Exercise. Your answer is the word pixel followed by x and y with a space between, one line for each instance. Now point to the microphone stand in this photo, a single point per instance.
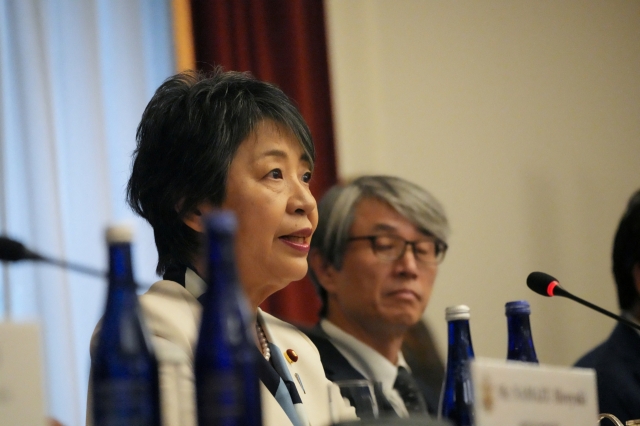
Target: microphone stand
pixel 74 267
pixel 14 251
pixel 559 291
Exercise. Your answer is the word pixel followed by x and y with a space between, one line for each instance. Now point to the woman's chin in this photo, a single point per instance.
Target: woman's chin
pixel 259 286
pixel 290 270
pixel 300 271
pixel 289 276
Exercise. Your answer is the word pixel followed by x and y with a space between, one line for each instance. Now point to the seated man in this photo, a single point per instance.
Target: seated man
pixel 617 360
pixel 374 259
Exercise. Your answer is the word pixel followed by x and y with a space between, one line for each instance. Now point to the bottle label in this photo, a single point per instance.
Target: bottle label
pixel 123 401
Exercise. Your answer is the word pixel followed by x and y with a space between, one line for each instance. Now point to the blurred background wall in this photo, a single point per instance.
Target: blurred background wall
pixel 523 119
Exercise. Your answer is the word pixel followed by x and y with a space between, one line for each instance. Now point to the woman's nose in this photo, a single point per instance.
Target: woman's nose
pixel 302 201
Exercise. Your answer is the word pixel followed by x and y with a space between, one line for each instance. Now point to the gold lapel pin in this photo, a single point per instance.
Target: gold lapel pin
pixel 291 356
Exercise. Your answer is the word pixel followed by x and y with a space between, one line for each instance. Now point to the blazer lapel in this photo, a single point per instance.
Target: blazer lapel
pixel 307 373
pixel 286 369
pixel 294 373
pixel 272 413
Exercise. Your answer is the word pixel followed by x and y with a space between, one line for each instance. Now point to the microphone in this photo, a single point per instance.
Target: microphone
pixel 14 251
pixel 546 285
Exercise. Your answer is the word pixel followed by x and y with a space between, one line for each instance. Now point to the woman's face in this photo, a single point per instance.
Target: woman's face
pixel 268 189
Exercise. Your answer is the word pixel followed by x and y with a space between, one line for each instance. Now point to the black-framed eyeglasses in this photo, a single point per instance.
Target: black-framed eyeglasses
pixel 392 247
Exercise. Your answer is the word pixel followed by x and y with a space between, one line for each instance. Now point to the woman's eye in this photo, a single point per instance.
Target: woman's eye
pixel 306 177
pixel 276 174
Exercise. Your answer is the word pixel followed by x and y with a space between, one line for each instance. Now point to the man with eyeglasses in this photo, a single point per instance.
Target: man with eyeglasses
pixel 374 259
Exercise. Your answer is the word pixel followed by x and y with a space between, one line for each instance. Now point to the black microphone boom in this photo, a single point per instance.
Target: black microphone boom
pixel 546 285
pixel 14 251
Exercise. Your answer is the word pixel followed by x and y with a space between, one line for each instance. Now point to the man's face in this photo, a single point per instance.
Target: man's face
pixel 375 294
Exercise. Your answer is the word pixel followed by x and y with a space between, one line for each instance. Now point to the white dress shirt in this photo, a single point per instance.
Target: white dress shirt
pixel 369 362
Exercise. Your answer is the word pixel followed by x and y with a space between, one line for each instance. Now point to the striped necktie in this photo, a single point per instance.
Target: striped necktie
pixel 410 393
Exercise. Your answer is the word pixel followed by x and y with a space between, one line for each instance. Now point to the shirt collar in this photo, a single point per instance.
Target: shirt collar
pixel 193 283
pixel 186 277
pixel 369 362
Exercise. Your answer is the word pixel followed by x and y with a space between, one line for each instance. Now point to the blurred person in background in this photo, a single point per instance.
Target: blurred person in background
pixel 374 260
pixel 617 360
pixel 226 140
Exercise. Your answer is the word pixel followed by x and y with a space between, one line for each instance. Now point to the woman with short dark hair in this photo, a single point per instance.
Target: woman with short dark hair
pixel 227 140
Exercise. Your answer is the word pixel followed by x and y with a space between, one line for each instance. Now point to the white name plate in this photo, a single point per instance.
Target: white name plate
pixel 522 394
pixel 21 372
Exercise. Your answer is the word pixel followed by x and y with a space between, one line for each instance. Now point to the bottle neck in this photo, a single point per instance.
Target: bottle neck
pixel 120 269
pixel 460 345
pixel 221 273
pixel 520 339
pixel 518 325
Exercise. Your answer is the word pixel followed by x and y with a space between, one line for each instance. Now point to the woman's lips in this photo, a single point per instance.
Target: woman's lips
pixel 295 242
pixel 298 240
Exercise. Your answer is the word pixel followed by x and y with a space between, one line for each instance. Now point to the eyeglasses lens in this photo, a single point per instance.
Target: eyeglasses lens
pixel 392 248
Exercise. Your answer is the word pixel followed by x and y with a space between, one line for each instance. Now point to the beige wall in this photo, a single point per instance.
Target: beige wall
pixel 523 118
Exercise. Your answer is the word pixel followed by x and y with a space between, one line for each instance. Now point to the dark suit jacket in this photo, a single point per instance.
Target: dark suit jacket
pixel 336 367
pixel 617 365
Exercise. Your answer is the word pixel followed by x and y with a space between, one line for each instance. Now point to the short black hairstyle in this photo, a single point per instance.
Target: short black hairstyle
pixel 186 140
pixel 626 253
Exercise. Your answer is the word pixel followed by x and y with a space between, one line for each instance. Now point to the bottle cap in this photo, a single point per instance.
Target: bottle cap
pixel 517 307
pixel 121 233
pixel 457 312
pixel 221 221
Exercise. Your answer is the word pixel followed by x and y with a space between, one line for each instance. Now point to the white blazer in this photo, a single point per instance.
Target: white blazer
pixel 172 315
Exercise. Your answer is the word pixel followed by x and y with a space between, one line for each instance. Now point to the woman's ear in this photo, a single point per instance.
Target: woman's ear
pixel 193 219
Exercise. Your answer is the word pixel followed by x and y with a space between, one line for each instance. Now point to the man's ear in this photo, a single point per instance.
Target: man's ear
pixel 193 219
pixel 324 271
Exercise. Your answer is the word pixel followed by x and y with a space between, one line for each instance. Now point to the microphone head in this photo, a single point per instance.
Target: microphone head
pixel 542 283
pixel 11 250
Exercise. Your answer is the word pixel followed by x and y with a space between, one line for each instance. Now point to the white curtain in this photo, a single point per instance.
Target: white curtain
pixel 75 76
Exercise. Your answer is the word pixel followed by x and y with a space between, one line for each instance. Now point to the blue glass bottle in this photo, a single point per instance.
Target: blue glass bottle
pixel 227 385
pixel 124 370
pixel 456 400
pixel 520 346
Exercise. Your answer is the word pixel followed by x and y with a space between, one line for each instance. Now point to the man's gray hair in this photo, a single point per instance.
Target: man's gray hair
pixel 337 209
